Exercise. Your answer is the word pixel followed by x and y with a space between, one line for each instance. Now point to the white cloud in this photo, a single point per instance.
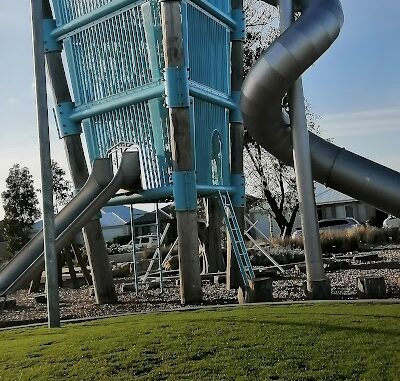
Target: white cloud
pixel 373 122
pixel 12 101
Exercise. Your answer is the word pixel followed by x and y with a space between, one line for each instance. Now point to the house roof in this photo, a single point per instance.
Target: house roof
pixel 110 219
pixel 123 212
pixel 150 217
pixel 325 196
pixel 110 216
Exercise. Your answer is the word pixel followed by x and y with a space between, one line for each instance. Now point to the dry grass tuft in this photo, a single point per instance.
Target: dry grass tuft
pixel 344 241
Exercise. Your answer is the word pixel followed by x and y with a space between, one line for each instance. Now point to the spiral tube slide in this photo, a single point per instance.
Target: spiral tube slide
pixel 97 191
pixel 271 78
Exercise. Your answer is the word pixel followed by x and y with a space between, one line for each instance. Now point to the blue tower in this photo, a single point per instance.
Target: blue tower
pixel 127 91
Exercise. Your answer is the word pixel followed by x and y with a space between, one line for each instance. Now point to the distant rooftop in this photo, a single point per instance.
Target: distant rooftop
pixel 110 216
pixel 325 195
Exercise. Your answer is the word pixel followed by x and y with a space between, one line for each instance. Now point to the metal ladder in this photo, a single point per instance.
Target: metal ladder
pixel 239 247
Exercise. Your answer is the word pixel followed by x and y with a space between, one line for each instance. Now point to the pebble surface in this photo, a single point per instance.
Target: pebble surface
pixel 78 303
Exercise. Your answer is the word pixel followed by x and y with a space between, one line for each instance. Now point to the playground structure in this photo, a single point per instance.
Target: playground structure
pixel 132 87
pixel 156 88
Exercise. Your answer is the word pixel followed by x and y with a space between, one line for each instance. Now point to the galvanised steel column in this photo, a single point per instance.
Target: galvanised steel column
pixel 159 249
pixel 184 182
pixel 135 274
pixel 50 253
pixel 93 235
pixel 318 286
pixel 233 277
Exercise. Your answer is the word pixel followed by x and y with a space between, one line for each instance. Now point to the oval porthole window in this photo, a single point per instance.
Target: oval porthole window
pixel 216 159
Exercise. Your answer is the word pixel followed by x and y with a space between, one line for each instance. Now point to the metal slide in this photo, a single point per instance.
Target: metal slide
pixel 99 188
pixel 272 77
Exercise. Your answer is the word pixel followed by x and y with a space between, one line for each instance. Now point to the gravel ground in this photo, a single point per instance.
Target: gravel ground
pixel 80 304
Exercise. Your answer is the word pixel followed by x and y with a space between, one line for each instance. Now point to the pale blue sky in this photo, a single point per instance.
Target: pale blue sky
pixel 355 87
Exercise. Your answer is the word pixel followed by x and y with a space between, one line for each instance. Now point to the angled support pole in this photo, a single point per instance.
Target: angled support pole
pixel 92 232
pixel 50 253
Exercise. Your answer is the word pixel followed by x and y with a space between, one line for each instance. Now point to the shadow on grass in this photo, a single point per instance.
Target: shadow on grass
pixel 322 326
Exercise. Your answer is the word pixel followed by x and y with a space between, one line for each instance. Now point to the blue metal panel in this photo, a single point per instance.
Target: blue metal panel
pixel 127 126
pixel 185 194
pixel 50 43
pixel 208 62
pixel 92 144
pixel 115 55
pixel 68 10
pixel 153 33
pixel 236 115
pixel 111 56
pixel 159 121
pixel 222 5
pixel 176 87
pixel 73 70
pixel 219 9
pixel 210 117
pixel 239 32
pixel 238 197
pixel 65 125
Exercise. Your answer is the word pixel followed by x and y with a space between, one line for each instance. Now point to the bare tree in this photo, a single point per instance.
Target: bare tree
pixel 269 180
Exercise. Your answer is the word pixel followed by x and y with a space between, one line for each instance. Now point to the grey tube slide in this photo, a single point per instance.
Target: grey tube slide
pixel 99 188
pixel 271 78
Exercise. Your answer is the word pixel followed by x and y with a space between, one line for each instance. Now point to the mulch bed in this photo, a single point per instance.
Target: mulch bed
pixel 80 303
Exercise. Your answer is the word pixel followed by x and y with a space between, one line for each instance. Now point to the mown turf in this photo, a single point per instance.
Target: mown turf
pixel 302 342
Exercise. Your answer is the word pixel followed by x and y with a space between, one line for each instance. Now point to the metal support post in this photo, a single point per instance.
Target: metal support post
pixel 92 232
pixel 317 284
pixel 159 248
pixel 50 253
pixel 216 259
pixel 135 275
pixel 233 277
pixel 184 186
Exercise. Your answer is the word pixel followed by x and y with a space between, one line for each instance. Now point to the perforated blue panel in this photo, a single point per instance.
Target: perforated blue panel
pixel 223 5
pixel 126 126
pixel 208 50
pixel 208 118
pixel 113 55
pixel 68 10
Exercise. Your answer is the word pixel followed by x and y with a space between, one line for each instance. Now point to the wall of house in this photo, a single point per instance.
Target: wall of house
pixel 360 211
pixel 111 232
pixel 266 224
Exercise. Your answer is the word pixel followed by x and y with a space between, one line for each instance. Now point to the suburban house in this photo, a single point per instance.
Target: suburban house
pixel 334 204
pixel 146 224
pixel 330 204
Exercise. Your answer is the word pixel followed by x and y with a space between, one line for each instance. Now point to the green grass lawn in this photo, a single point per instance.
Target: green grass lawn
pixel 299 342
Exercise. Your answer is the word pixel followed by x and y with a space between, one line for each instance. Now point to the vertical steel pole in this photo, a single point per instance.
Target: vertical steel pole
pixel 135 276
pixel 159 249
pixel 50 254
pixel 317 284
pixel 233 276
